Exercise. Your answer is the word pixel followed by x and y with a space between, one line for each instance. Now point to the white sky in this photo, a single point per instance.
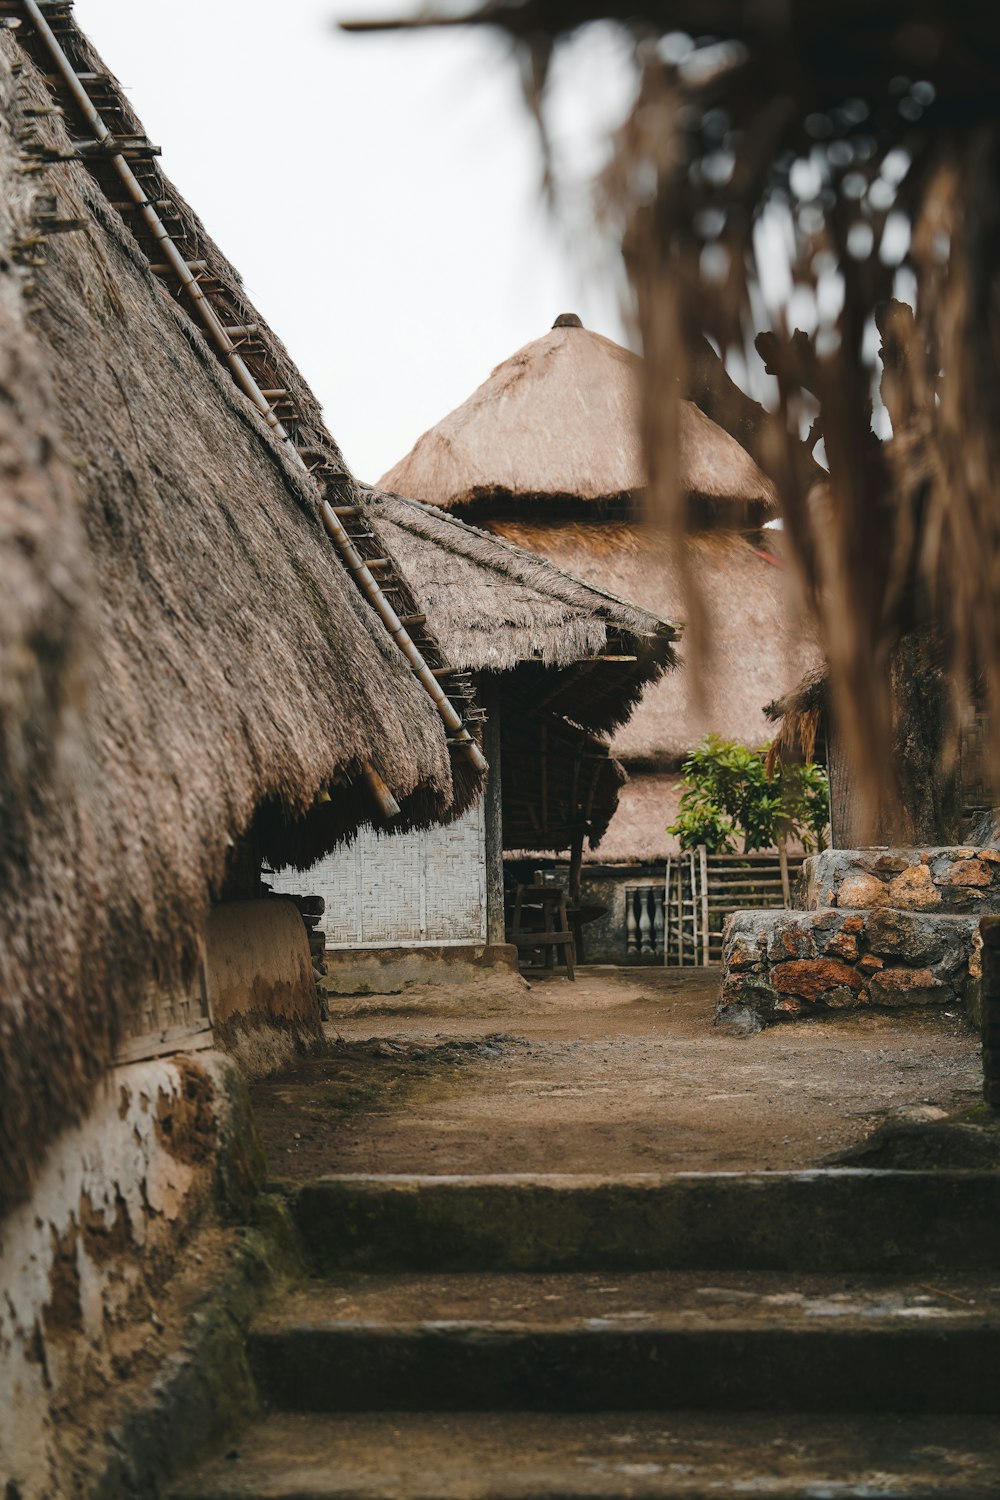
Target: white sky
pixel 379 195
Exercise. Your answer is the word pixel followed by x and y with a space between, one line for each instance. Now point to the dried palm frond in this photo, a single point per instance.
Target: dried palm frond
pixel 870 136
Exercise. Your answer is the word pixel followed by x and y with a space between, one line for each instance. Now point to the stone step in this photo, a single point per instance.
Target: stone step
pixel 828 1220
pixel 643 1456
pixel 652 1341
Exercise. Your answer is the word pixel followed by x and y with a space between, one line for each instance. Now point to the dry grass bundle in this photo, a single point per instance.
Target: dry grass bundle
pixel 799 716
pixel 870 134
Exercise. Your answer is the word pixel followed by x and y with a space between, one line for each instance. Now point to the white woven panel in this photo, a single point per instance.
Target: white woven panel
pixel 403 889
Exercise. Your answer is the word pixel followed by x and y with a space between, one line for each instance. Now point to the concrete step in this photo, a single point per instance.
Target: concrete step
pixel 646 1341
pixel 836 1219
pixel 531 1456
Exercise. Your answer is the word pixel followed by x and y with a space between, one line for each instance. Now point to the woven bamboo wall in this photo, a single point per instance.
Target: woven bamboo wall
pixel 402 890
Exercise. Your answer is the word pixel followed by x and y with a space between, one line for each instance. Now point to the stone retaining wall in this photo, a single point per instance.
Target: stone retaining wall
pixel 780 965
pixel 932 880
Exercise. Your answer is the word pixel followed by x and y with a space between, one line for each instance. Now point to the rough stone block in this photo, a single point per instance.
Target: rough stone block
pixel 742 993
pixel 844 998
pixel 789 939
pixel 974 872
pixel 813 979
pixel 842 945
pixel 891 864
pixel 909 987
pixel 743 951
pixel 862 891
pixel 895 934
pixel 913 889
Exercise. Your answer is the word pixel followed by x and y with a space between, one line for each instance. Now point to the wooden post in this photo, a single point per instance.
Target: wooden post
pixel 490 696
pixel 990 930
pixel 703 882
pixel 786 885
pixel 576 864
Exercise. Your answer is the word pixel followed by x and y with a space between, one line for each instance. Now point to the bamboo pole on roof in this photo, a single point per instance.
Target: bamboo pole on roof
pixel 217 331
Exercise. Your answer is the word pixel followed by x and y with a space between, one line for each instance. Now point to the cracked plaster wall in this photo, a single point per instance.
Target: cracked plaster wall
pixel 82 1262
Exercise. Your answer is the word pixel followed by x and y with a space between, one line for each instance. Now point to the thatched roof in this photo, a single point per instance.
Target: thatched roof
pixel 560 419
pixel 570 659
pixel 756 648
pixel 647 803
pixel 496 607
pixel 800 717
pixel 180 649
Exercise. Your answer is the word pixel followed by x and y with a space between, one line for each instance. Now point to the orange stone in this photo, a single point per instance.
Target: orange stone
pixel 843 945
pixel 862 890
pixel 809 978
pixel 970 872
pixel 914 889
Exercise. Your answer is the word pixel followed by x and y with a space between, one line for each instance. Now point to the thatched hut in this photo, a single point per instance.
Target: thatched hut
pixel 191 679
pixel 547 454
pixel 186 665
pixel 558 664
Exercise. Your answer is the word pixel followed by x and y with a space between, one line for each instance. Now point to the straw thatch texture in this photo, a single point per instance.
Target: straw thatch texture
pixel 495 607
pixel 799 717
pixel 755 647
pixel 179 647
pixel 567 651
pixel 560 418
pixel 647 803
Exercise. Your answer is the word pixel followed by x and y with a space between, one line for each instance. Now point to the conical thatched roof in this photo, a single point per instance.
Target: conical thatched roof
pixel 560 419
pixel 181 652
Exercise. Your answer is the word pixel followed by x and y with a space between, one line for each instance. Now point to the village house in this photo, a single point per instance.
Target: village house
pixel 547 454
pixel 557 664
pixel 199 672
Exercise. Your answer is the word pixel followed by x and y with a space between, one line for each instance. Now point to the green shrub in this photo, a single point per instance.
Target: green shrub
pixel 728 795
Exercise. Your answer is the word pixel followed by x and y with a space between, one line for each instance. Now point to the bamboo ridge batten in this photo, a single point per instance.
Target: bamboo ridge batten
pixel 264 399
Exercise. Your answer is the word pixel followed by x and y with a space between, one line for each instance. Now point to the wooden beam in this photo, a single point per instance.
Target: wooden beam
pixel 489 695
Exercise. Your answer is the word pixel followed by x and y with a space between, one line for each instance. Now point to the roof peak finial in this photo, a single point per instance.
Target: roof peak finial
pixel 567 320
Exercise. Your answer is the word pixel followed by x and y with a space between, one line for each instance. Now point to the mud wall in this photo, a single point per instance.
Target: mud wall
pixel 260 982
pixel 84 1263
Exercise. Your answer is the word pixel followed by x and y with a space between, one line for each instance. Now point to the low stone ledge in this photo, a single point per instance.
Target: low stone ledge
pixel 952 879
pixel 784 964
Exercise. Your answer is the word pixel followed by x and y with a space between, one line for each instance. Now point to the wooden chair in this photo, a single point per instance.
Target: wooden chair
pixel 545 908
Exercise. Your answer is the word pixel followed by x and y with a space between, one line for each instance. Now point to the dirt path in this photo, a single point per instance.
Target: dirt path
pixel 621 1072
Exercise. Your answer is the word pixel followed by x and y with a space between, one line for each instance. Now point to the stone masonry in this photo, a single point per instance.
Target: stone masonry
pixel 880 928
pixel 932 880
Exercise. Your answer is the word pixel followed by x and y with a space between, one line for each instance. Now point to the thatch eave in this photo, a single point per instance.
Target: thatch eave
pixel 800 717
pixel 182 656
pixel 498 608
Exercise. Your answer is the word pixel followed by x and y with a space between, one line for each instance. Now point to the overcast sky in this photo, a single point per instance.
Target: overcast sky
pixel 379 195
